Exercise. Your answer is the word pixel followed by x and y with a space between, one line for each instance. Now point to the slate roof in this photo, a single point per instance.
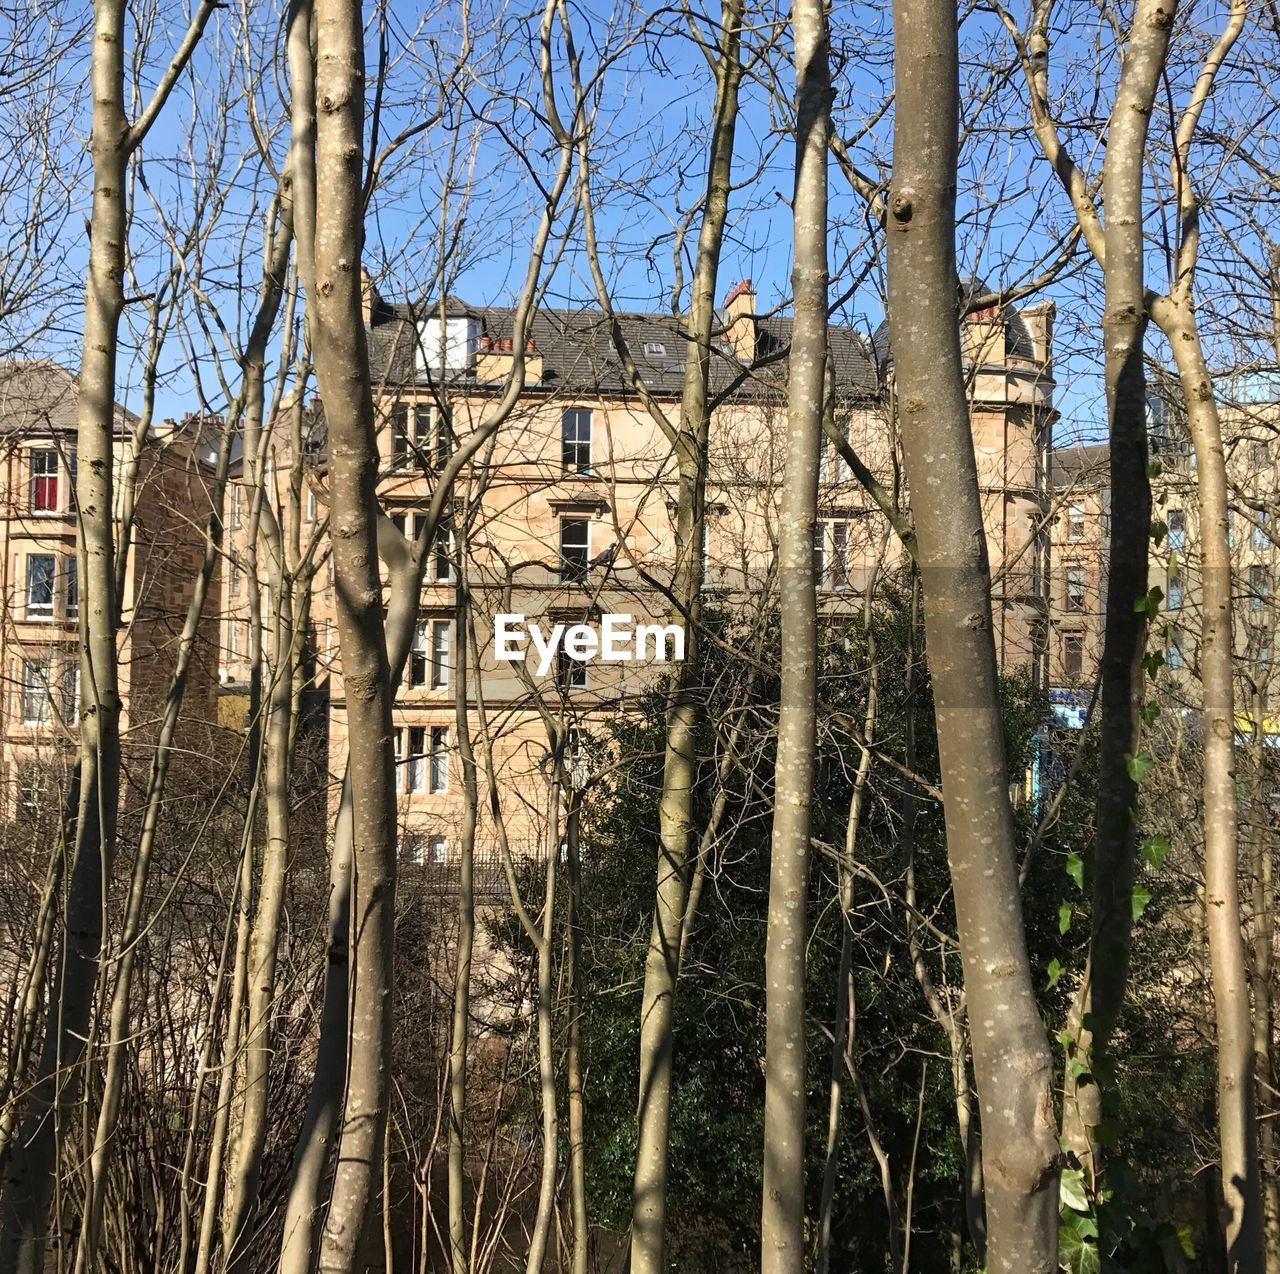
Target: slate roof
pixel 579 357
pixel 38 396
pixel 1085 460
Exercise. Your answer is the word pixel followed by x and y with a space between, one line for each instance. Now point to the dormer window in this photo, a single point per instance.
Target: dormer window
pixel 448 347
pixel 655 349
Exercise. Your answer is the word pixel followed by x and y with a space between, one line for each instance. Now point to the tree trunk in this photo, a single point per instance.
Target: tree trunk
pixel 1237 1129
pixel 675 809
pixel 782 1238
pixel 342 372
pixel 1097 1003
pixel 1011 1055
pixel 459 1035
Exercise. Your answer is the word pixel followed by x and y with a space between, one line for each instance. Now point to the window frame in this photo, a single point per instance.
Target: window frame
pixel 438 760
pixel 40 612
pixel 573 570
pixel 37 504
pixel 573 448
pixel 26 689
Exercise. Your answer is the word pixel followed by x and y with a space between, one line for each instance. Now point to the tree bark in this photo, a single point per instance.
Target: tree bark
pixel 782 1239
pixel 1228 958
pixel 32 1164
pixel 684 712
pixel 1011 1055
pixel 1097 1004
pixel 342 372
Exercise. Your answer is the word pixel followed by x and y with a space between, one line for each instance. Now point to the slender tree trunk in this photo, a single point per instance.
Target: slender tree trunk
pixel 1010 1049
pixel 573 1062
pixel 342 372
pixel 675 809
pixel 32 1163
pixel 544 1215
pixel 1237 1129
pixel 1096 1006
pixel 782 1240
pixel 459 1036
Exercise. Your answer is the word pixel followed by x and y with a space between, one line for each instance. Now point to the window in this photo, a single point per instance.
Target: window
pixel 1174 655
pixel 1177 530
pixel 69 690
pixel 439 760
pixel 37 704
pixel 233 517
pixel 419 435
pixel 429 657
pixel 655 349
pixel 1075 588
pixel 1072 656
pixel 1258 537
pixel 571 674
pixel 71 585
pixel 237 578
pixel 1075 523
pixel 442 556
pixel 575 440
pixel 409 526
pixel 309 508
pixel 401 443
pixel 1258 455
pixel 1231 528
pixel 1257 646
pixel 44 480
pixel 1174 598
pixel 413 848
pixel 413 758
pixel 33 794
pixel 40 570
pixel 437 849
pixel 575 548
pixel 831 554
pixel 1258 587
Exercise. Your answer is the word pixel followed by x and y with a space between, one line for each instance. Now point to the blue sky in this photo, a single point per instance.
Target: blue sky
pixel 650 105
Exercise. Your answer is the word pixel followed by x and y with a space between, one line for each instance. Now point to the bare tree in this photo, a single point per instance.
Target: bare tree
pixel 31 1168
pixel 1011 1056
pixel 782 1245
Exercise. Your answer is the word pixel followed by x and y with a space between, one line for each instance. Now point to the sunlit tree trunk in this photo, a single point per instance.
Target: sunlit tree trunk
pixel 782 1238
pixel 675 808
pixel 342 372
pixel 1010 1049
pixel 32 1163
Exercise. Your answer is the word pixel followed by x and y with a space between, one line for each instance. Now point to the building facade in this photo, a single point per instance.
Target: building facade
pixel 568 515
pixel 39 641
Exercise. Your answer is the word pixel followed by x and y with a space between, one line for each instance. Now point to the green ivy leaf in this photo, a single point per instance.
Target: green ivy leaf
pixel 1150 713
pixel 1149 603
pixel 1186 1242
pixel 1055 973
pixel 1153 662
pixel 1064 1039
pixel 1071 1190
pixel 1137 766
pixel 1158 531
pixel 1075 868
pixel 1154 850
pixel 1141 896
pixel 1064 917
pixel 1154 469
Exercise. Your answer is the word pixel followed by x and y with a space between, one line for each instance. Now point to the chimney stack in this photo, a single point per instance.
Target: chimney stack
pixel 368 296
pixel 740 320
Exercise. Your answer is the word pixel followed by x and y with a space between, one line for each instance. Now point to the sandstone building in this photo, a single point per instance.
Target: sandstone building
pixel 569 513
